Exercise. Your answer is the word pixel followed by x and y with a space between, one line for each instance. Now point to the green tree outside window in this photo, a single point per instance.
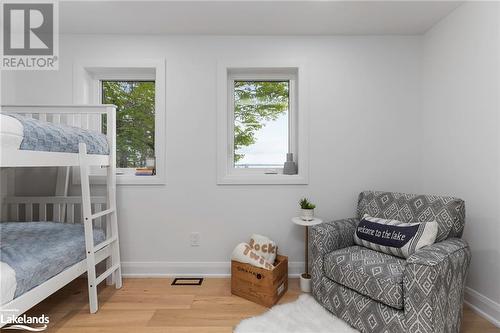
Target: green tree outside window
pixel 256 102
pixel 135 120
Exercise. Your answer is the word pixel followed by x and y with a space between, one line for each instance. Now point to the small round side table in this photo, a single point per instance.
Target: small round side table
pixel 305 278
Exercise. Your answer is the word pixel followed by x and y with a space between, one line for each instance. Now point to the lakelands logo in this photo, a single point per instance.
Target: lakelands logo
pixel 23 322
pixel 30 35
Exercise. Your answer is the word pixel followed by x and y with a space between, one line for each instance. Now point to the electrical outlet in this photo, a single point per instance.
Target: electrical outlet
pixel 195 238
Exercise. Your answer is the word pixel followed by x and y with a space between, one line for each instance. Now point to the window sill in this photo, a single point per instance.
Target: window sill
pixel 262 179
pixel 139 180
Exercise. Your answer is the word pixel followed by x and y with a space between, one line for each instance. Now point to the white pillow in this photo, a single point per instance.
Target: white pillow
pixel 394 237
pixel 11 132
pixel 264 247
pixel 244 253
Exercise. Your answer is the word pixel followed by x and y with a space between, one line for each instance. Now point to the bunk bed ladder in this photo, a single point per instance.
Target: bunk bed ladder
pixel 113 269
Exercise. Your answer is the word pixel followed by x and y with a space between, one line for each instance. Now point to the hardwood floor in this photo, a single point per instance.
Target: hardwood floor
pixel 153 306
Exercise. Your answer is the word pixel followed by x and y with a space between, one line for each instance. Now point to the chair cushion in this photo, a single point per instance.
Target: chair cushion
pixel 371 273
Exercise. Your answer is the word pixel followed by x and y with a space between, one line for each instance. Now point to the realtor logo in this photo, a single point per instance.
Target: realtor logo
pixel 14 321
pixel 30 37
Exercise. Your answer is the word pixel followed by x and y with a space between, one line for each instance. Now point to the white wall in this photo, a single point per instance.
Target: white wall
pixel 364 134
pixel 461 131
pixel 413 114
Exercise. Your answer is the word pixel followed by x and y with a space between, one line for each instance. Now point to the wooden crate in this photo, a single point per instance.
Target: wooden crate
pixel 260 285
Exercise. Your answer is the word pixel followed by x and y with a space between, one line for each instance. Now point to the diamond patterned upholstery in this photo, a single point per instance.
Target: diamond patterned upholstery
pixel 448 212
pixel 360 286
pixel 358 310
pixel 371 273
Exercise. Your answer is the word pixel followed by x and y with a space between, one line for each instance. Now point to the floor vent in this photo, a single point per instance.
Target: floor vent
pixel 187 282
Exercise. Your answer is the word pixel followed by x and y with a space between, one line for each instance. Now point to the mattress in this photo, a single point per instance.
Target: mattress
pixel 37 251
pixel 7 283
pixel 18 132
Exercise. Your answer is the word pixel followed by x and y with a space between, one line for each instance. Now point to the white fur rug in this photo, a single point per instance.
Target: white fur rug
pixel 305 315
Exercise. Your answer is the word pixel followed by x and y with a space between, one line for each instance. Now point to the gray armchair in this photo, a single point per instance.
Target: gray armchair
pixel 377 292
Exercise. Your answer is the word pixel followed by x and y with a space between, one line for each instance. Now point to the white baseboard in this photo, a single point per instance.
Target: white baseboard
pixel 161 269
pixel 485 307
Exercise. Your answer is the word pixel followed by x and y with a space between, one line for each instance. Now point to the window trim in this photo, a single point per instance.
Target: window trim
pixel 88 75
pixel 226 75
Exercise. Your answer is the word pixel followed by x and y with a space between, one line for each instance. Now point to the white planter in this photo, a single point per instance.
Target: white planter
pixel 307 214
pixel 305 283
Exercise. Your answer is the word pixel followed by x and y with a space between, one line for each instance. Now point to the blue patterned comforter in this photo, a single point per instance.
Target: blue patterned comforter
pixel 37 251
pixel 44 136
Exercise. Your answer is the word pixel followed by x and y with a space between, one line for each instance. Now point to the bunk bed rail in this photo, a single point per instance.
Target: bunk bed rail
pixel 65 209
pixel 84 116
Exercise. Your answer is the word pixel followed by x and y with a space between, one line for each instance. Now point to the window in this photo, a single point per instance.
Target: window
pixel 135 120
pixel 258 116
pixel 261 123
pixel 137 88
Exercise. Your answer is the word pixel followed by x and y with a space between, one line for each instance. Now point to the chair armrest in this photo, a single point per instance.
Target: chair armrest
pixel 434 285
pixel 325 238
pixel 437 253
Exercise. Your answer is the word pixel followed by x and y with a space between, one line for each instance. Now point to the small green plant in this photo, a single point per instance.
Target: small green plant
pixel 305 204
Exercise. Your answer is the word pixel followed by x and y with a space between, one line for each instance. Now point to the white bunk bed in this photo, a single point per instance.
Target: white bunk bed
pixel 65 209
